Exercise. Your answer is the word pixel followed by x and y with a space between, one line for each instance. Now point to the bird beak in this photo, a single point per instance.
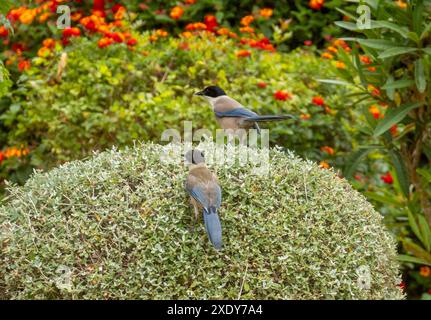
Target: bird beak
pixel 200 93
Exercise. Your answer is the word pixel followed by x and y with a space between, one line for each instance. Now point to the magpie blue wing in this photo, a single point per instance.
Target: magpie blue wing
pixel 199 194
pixel 236 113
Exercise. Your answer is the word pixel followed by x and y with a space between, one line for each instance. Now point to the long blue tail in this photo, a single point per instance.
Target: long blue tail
pixel 270 118
pixel 213 227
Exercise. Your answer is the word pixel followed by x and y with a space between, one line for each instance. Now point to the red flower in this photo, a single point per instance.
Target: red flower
pixel 318 101
pixel 393 130
pixel 261 85
pixel 211 22
pixel 116 7
pixel 387 178
pixel 132 42
pixel 24 65
pixel 71 32
pixel 282 95
pixel 1 157
pixel 402 285
pixel 308 43
pixel 3 32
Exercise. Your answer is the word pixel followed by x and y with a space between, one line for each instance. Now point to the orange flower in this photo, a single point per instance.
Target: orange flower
pixel 247 20
pixel 44 16
pixel 366 59
pixel 401 4
pixel 332 49
pixel 305 116
pixel 318 101
pixel 324 165
pixel 282 95
pixel 425 271
pixel 24 65
pixel 104 42
pixel 246 30
pixel 196 26
pixel 49 43
pixel 187 34
pixel 340 65
pixel 372 69
pixel 162 33
pixel 327 55
pixel 243 53
pixel 190 1
pixel 316 4
pixel 27 16
pixel 120 12
pixel 76 16
pixel 374 110
pixel 266 12
pixel 327 150
pixel 43 52
pixel 176 12
pixel 223 31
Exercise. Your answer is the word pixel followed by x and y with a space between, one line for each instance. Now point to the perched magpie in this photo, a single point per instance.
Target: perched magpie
pixel 205 195
pixel 231 114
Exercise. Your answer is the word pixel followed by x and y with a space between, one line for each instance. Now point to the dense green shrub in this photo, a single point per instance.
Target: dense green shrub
pixel 113 96
pixel 120 223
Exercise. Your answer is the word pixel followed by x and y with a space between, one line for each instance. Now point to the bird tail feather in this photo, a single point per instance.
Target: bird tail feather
pixel 268 118
pixel 213 226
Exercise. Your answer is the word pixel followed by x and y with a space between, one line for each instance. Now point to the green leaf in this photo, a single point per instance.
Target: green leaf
pixel 354 159
pixel 421 82
pixel 393 116
pixel 407 258
pixel 382 199
pixel 376 43
pixel 417 251
pixel 396 51
pixel 403 31
pixel 413 225
pixel 401 171
pixel 425 231
pixel 347 14
pixel 347 25
pixel 425 173
pixel 418 16
pixel 398 84
pixel 426 31
pixel 336 82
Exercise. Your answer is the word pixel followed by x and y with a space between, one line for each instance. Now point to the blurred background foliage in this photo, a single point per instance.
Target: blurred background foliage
pixel 126 71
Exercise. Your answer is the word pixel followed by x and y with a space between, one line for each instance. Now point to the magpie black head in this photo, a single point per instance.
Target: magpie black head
pixel 211 91
pixel 195 156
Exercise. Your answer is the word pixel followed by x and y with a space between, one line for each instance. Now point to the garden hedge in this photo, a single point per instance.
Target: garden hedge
pixel 119 224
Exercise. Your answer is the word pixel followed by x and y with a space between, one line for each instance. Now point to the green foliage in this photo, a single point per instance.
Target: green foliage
pixel 114 96
pixel 5 82
pixel 119 223
pixel 399 46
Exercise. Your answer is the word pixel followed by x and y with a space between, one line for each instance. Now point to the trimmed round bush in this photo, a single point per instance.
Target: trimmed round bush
pixel 119 226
